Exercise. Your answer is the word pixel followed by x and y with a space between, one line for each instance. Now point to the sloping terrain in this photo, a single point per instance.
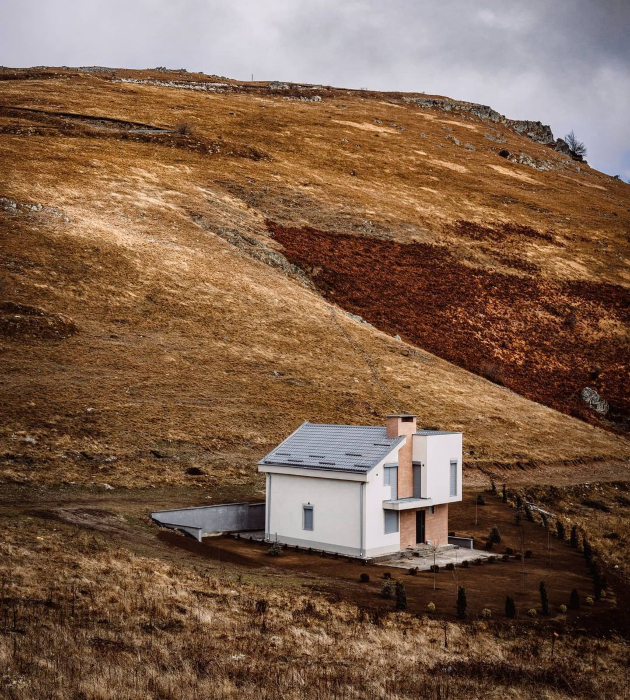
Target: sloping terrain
pixel 150 323
pixel 180 255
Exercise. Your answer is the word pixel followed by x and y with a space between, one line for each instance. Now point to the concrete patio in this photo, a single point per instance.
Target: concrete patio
pixel 423 558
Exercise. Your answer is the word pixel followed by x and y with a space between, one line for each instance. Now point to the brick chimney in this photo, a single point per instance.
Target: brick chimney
pixel 401 424
pixel 397 426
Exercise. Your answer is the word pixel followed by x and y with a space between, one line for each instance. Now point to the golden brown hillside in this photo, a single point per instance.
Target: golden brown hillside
pixel 180 255
pixel 150 322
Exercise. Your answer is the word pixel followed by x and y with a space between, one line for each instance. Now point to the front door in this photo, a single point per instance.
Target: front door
pixel 420 515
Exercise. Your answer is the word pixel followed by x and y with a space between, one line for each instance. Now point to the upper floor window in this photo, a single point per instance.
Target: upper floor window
pixel 453 477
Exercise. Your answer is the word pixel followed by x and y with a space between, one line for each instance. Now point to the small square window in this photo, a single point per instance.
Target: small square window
pixel 307 517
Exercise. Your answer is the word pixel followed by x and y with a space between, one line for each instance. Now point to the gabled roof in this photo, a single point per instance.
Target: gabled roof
pixel 347 448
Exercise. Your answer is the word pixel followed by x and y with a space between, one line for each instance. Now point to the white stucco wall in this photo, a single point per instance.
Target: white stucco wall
pixel 376 541
pixel 436 452
pixel 337 512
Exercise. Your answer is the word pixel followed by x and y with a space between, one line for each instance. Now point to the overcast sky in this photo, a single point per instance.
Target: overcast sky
pixel 564 62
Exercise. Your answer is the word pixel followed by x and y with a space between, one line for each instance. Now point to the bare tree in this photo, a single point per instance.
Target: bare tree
pixel 577 148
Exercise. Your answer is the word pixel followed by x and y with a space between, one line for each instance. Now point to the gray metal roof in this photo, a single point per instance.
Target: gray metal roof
pixel 347 448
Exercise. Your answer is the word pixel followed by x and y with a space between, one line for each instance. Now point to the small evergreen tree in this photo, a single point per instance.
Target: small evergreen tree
pixel 574 536
pixel 504 495
pixel 495 535
pixel 401 596
pixel 560 529
pixel 461 603
pixel 544 598
pixel 574 600
pixel 510 607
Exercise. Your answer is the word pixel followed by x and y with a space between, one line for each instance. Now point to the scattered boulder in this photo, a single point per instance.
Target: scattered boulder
pixel 594 400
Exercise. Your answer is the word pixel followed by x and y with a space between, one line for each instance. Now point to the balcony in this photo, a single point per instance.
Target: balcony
pixel 407 503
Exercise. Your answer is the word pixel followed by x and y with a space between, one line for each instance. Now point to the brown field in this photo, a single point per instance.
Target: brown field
pixel 151 324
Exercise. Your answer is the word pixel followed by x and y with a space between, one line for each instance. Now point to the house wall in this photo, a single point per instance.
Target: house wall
pixel 407 528
pixel 337 512
pixel 376 541
pixel 436 452
pixel 436 525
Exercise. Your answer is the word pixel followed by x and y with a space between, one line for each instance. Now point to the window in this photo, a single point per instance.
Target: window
pixel 391 521
pixel 454 478
pixel 390 478
pixel 431 510
pixel 307 517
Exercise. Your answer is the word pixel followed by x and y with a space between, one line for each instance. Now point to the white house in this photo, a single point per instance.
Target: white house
pixel 361 490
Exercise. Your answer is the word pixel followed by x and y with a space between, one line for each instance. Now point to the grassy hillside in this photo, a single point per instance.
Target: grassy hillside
pixel 150 323
pixel 181 257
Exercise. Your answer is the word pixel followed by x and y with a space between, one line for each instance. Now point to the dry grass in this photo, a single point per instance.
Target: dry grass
pixel 189 348
pixel 83 619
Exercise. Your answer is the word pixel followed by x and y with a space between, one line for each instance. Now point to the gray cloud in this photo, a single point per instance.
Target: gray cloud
pixel 565 62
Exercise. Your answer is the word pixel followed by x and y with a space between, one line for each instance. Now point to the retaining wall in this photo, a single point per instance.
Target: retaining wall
pixel 225 517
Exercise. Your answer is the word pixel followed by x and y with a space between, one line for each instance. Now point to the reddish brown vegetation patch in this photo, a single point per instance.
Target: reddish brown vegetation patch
pixel 537 337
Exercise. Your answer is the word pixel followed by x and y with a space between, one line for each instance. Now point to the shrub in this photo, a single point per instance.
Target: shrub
pixel 589 600
pixel 413 571
pixel 450 566
pixel 275 549
pixel 510 607
pixel 488 546
pixel 481 501
pixel 574 600
pixel 401 596
pixel 183 129
pixel 505 557
pixel 478 561
pixel 431 607
pixel 495 535
pixel 486 614
pixel 509 551
pixel 493 488
pixel 465 564
pixel 577 149
pixel 518 556
pixel 528 554
pixel 387 589
pixel 491 560
pixel 434 568
pixel 364 578
pixel 532 612
pixel 387 575
pixel 563 608
pixel 462 604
